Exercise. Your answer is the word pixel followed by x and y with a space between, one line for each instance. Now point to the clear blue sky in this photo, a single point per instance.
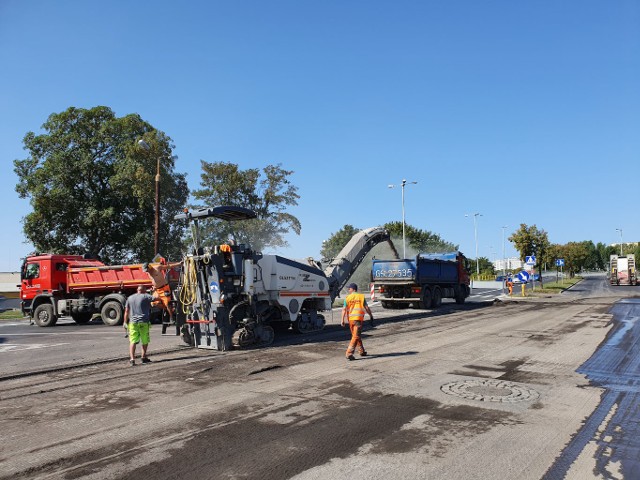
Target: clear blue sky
pixel 524 111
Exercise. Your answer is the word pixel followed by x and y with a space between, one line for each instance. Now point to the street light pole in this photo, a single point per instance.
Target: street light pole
pixel 475 234
pixel 404 182
pixel 620 230
pixel 156 230
pixel 504 258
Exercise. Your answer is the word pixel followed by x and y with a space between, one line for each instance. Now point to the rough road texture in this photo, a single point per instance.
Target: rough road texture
pixel 302 411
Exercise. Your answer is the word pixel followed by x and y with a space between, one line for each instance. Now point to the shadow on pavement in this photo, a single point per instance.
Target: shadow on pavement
pixel 383 355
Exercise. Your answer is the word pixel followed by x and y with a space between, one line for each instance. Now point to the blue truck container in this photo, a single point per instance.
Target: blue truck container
pixel 422 282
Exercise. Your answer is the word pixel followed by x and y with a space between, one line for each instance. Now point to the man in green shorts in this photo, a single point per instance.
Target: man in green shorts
pixel 137 322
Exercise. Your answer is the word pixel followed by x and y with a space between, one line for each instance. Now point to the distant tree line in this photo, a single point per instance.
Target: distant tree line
pixel 92 190
pixel 578 256
pixel 417 240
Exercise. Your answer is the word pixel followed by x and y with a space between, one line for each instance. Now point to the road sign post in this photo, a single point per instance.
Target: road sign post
pixel 559 263
pixel 531 260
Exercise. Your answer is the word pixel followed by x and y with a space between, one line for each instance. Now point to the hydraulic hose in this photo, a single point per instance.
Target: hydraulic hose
pixel 189 292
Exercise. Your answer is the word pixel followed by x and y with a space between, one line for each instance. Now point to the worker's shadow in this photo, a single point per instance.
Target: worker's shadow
pixel 383 355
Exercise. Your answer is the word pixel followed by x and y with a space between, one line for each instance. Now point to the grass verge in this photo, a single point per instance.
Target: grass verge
pixel 557 287
pixel 11 315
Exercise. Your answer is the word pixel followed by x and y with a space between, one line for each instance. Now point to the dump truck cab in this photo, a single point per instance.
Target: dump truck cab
pixel 43 276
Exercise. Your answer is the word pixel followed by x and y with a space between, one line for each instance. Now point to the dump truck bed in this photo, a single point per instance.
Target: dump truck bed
pixel 113 277
pixel 431 268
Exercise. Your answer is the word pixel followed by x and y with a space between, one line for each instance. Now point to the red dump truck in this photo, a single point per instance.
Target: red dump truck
pixel 53 286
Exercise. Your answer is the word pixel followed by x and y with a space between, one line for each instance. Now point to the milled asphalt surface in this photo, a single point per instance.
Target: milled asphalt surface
pixel 519 388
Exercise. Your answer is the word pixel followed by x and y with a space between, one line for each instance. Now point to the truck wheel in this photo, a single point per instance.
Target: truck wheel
pixel 238 313
pixel 426 298
pixel 385 304
pixel 266 335
pixel 81 318
pixel 437 298
pixel 44 316
pixel 280 326
pixel 111 313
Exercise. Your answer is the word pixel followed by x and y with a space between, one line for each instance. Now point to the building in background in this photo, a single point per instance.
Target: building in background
pixel 512 263
pixel 9 284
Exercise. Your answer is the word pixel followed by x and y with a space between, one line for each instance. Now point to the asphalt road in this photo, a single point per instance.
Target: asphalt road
pixel 494 389
pixel 69 344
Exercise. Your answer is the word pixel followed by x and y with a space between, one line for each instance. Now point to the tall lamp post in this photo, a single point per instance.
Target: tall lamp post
pixel 404 182
pixel 504 258
pixel 156 230
pixel 475 234
pixel 620 230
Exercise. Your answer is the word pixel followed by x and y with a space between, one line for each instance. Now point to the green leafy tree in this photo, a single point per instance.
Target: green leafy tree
pixel 576 255
pixel 591 262
pixel 268 192
pixel 554 252
pixel 486 266
pixel 92 187
pixel 483 265
pixel 531 241
pixel 604 253
pixel 420 241
pixel 417 241
pixel 336 241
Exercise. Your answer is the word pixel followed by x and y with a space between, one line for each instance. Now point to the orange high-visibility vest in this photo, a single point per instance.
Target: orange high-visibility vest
pixel 355 307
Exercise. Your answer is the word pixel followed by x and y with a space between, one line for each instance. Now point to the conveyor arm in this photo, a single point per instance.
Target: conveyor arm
pixel 341 268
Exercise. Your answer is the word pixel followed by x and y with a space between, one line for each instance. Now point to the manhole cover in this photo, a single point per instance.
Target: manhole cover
pixel 490 390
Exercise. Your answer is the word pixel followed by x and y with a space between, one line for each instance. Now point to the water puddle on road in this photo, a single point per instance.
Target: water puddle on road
pixel 608 439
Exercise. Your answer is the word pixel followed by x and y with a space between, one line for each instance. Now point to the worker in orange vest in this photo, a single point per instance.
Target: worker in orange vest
pixel 510 286
pixel 353 311
pixel 162 291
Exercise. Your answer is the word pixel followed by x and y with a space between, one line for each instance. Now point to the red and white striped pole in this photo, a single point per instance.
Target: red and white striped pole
pixel 373 292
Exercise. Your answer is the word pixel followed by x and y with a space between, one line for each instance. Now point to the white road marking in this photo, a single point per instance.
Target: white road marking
pixel 46 333
pixel 14 347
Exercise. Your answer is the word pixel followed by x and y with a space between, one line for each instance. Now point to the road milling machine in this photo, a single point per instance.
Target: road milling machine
pixel 232 295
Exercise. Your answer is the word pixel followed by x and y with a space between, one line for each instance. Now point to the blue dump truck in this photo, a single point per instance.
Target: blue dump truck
pixel 422 282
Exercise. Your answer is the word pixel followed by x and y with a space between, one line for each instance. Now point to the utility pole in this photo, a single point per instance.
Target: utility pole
pixel 156 230
pixel 504 258
pixel 404 246
pixel 620 230
pixel 475 234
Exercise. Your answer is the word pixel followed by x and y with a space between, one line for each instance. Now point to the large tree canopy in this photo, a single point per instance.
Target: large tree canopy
pixel 417 240
pixel 336 241
pixel 421 241
pixel 531 241
pixel 576 255
pixel 268 193
pixel 92 187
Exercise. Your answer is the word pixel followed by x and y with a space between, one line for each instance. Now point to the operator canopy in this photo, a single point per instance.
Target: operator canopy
pixel 228 212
